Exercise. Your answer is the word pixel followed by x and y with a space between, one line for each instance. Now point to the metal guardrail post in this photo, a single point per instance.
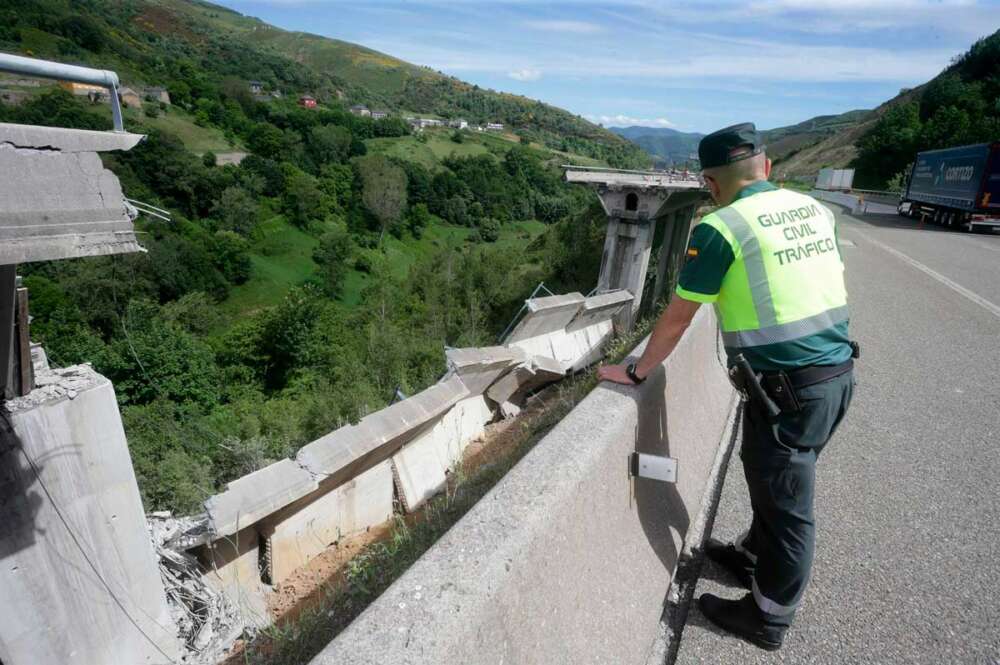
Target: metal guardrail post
pixel 16 64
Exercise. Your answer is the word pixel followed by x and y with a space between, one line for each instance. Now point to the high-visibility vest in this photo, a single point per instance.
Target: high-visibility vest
pixel 787 278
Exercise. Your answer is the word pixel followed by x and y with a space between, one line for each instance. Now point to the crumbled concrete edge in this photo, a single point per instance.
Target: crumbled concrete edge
pixel 664 649
pixel 54 385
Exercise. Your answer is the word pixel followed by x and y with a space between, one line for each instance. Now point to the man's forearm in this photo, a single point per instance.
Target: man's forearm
pixel 667 332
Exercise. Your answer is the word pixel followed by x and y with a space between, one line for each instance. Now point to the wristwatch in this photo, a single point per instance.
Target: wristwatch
pixel 630 370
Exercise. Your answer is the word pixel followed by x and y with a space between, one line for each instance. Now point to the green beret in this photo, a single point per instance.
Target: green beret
pixel 714 149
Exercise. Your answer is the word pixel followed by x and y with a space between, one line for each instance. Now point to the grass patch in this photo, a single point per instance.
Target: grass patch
pixel 381 563
pixel 282 258
pixel 181 124
pixel 403 252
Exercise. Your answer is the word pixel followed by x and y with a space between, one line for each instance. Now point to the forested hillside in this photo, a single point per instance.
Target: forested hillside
pixel 298 290
pixel 959 106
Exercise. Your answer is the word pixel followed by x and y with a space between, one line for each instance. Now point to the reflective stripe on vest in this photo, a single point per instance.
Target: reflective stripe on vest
pixel 786 331
pixel 760 288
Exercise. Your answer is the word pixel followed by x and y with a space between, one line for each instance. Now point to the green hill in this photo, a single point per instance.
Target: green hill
pixel 668 146
pixel 783 142
pixel 217 43
pixel 957 107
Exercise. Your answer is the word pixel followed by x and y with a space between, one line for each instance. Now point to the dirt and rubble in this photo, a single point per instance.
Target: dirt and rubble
pixel 207 622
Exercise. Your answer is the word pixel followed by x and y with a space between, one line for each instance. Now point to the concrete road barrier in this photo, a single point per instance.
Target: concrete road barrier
pixel 566 560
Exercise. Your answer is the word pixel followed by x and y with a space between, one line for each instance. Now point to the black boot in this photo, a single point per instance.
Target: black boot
pixel 730 558
pixel 742 618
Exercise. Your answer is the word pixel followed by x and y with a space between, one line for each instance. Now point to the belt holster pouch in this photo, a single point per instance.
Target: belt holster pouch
pixel 779 388
pixel 855 350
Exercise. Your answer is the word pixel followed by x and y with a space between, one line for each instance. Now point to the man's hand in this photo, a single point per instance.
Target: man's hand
pixel 615 373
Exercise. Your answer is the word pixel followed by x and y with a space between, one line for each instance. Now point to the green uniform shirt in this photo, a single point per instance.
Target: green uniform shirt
pixel 709 256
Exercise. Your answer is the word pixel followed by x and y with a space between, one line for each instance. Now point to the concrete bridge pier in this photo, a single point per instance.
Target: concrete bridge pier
pixel 647 211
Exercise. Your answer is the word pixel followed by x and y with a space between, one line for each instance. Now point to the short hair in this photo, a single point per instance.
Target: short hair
pixel 748 168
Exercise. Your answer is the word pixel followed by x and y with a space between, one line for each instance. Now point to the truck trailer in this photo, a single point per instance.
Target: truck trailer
pixel 955 187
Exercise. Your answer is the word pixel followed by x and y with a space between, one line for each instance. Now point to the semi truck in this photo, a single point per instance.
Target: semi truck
pixel 955 187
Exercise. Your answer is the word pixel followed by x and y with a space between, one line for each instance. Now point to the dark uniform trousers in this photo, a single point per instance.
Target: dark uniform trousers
pixel 779 462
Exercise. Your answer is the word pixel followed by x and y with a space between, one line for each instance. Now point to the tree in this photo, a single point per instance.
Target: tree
pixel 152 358
pixel 417 219
pixel 489 229
pixel 232 256
pixel 303 200
pixel 236 210
pixel 332 256
pixel 330 143
pixel 266 140
pixel 891 143
pixel 209 159
pixel 383 189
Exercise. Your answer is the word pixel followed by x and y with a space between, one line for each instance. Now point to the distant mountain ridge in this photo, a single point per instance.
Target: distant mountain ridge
pixel 668 146
pixel 672 147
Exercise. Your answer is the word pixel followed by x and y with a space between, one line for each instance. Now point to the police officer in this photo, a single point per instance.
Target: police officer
pixel 769 261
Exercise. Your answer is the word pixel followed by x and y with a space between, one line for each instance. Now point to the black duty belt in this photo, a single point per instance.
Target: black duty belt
pixel 810 376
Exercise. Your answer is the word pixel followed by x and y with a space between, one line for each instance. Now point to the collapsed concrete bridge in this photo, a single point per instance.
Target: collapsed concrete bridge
pixel 512 566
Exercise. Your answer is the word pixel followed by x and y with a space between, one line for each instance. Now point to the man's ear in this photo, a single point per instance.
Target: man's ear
pixel 713 187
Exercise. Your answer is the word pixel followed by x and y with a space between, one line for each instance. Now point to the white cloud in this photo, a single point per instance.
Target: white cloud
pixel 525 74
pixel 572 27
pixel 628 121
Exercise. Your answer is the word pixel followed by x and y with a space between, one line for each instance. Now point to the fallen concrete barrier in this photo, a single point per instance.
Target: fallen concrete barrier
pixel 592 328
pixel 298 535
pixel 511 389
pixel 421 467
pixel 566 560
pixel 257 495
pixel 480 367
pixel 348 451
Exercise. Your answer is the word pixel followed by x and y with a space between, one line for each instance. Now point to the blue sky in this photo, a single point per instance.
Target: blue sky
pixel 693 66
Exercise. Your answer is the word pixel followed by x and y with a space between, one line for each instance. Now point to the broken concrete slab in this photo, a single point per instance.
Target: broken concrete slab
pixel 65 139
pixel 481 366
pixel 466 422
pixel 233 566
pixel 421 467
pixel 518 383
pixel 249 499
pixel 59 200
pixel 299 537
pixel 546 315
pixel 348 451
pixel 589 344
pixel 599 308
pixel 71 507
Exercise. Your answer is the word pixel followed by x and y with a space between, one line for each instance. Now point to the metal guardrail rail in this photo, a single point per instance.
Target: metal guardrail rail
pixel 15 64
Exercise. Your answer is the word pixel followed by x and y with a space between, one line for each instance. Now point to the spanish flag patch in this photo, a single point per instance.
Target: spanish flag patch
pixel 692 253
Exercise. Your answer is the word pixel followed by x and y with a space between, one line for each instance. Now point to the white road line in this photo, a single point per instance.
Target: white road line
pixel 954 286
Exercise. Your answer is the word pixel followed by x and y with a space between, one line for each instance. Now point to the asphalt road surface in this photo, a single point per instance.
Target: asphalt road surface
pixel 908 499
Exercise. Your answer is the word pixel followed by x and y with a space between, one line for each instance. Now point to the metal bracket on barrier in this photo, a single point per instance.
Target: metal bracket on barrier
pixel 653 467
